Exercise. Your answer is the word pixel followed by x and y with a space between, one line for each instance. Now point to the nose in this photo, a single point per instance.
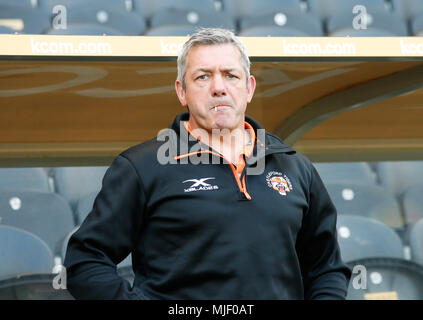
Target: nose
pixel 218 86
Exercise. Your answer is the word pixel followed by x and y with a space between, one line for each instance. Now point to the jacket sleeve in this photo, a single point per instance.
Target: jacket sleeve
pixel 325 276
pixel 106 237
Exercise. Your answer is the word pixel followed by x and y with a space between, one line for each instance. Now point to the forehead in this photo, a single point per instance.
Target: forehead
pixel 212 56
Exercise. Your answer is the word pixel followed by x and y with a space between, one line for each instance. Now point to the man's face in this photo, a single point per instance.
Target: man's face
pixel 216 87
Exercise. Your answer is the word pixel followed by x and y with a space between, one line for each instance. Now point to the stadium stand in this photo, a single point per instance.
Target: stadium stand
pixel 128 23
pixel 328 8
pixel 24 19
pixel 342 172
pixel 31 179
pixel 84 206
pixel 47 215
pixel 360 238
pixel 386 279
pixel 416 242
pixel 280 24
pixel 37 286
pixel 74 182
pixel 398 176
pixel 247 8
pixel 148 8
pixel 180 17
pixel 417 26
pixel 365 200
pixel 85 29
pixel 171 30
pixel 413 204
pixel 22 252
pixel 408 8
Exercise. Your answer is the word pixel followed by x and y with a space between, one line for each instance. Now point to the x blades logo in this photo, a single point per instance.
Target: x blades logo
pixel 200 184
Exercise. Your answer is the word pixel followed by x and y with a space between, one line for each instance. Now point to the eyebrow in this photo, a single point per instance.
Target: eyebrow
pixel 209 70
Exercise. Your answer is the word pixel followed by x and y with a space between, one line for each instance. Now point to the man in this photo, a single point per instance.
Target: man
pixel 200 226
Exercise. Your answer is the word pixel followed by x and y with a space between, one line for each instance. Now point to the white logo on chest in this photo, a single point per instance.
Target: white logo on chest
pixel 200 184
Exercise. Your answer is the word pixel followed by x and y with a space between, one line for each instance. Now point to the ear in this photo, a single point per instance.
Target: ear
pixel 251 88
pixel 180 92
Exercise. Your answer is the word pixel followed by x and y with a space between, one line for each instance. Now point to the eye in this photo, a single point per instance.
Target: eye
pixel 202 77
pixel 231 76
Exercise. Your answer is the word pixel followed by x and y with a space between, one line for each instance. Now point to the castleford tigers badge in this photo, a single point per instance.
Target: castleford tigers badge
pixel 279 182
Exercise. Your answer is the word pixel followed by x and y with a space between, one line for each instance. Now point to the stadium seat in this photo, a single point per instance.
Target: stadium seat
pixel 69 4
pixel 128 23
pixel 370 201
pixel 296 24
pixel 31 179
pixel 248 8
pixel 74 182
pixel 6 30
pixel 147 8
pixel 334 172
pixel 327 8
pixel 379 24
pixel 38 286
pixel 413 203
pixel 416 242
pixel 24 3
pixel 360 237
pixel 47 215
pixel 385 279
pixel 85 29
pixel 24 19
pixel 22 252
pixel 84 206
pixel 408 8
pixel 417 26
pixel 169 17
pixel 171 30
pixel 398 176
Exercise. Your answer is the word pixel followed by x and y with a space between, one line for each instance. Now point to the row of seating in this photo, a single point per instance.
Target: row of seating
pixel 246 18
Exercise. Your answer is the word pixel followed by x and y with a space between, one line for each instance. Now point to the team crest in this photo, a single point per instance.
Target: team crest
pixel 279 182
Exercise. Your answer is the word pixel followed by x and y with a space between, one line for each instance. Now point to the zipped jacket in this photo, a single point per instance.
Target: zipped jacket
pixel 198 227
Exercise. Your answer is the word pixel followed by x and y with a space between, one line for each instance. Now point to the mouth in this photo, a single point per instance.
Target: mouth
pixel 220 107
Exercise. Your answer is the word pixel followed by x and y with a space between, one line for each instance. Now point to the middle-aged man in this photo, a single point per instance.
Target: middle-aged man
pixel 231 213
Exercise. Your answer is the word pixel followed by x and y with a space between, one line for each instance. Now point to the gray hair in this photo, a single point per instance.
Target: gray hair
pixel 211 36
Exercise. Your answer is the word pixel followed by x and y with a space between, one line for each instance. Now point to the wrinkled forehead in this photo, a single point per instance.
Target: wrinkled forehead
pixel 211 56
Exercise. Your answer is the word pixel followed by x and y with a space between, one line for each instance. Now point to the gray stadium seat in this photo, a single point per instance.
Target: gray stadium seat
pixel 370 201
pixel 6 30
pixel 34 179
pixel 176 17
pixel 47 215
pixel 22 252
pixel 408 8
pixel 398 176
pixel 28 20
pixel 413 204
pixel 147 8
pixel 36 286
pixel 84 206
pixel 386 279
pixel 360 238
pixel 327 8
pixel 416 242
pixel 379 24
pixel 334 172
pixel 128 23
pixel 247 8
pixel 296 24
pixel 85 29
pixel 69 4
pixel 74 182
pixel 417 25
pixel 171 30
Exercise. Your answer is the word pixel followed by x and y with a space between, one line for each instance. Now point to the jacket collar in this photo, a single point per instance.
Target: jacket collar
pixel 272 144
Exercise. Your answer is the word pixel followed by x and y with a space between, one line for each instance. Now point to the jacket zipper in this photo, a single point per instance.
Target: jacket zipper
pixel 241 184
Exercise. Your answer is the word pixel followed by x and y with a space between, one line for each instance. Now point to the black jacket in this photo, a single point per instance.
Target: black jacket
pixel 194 234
